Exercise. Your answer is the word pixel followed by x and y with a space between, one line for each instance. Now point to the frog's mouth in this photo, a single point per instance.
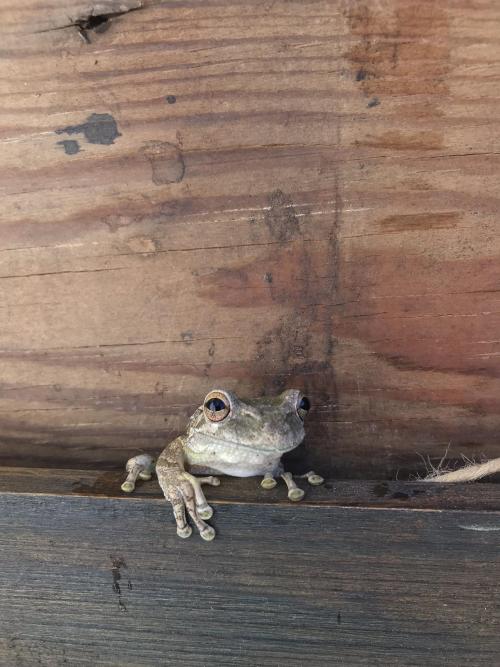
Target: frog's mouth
pixel 259 449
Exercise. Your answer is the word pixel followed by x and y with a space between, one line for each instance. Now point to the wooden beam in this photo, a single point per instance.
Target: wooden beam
pixel 87 579
pixel 257 195
pixel 335 493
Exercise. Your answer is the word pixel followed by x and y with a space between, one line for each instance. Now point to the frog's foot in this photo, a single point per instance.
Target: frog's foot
pixel 202 507
pixel 312 478
pixel 268 481
pixel 184 492
pixel 182 496
pixel 294 493
pixel 138 466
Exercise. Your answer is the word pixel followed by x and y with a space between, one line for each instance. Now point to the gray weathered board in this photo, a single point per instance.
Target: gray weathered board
pixel 90 580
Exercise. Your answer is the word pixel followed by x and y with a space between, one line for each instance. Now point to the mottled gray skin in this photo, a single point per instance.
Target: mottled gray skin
pixel 248 439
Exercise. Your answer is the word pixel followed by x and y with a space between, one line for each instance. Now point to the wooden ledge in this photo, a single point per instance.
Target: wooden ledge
pixel 334 493
pixel 359 573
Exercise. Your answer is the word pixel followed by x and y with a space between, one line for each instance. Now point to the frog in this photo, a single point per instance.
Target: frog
pixel 226 436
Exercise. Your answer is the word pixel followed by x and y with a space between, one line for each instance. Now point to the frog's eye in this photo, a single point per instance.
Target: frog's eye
pixel 303 406
pixel 216 406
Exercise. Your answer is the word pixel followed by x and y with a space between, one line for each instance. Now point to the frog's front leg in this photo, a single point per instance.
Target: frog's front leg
pixel 183 490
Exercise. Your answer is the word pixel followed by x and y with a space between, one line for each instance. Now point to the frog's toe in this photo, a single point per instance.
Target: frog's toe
pixel 268 483
pixel 315 480
pixel 296 494
pixel 205 512
pixel 208 533
pixel 213 481
pixel 184 532
pixel 128 487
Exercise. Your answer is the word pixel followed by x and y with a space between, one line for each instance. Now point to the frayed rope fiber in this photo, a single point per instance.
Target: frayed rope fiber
pixel 467 474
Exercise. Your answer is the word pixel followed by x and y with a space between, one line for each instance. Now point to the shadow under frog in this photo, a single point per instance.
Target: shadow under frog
pixel 230 437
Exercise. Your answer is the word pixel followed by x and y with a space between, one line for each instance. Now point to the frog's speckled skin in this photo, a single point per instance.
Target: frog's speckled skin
pixel 243 439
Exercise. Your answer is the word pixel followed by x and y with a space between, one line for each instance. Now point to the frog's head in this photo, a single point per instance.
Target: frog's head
pixel 274 424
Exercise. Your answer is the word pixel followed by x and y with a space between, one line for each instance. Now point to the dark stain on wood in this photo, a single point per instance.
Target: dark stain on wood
pixel 104 484
pixel 166 160
pixel 117 564
pixel 99 128
pixel 374 102
pixel 399 495
pixel 380 490
pixel 281 218
pixel 70 146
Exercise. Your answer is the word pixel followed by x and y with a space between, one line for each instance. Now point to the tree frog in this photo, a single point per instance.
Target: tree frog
pixel 226 436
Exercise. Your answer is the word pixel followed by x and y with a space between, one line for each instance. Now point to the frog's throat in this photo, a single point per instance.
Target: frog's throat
pixel 238 445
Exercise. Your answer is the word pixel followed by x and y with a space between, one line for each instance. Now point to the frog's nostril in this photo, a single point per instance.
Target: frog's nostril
pixel 252 413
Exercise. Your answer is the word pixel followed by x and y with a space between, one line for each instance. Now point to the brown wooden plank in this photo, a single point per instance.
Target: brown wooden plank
pixel 317 207
pixel 105 581
pixel 415 495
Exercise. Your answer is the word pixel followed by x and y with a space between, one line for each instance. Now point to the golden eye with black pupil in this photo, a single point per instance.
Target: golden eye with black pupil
pixel 216 406
pixel 303 406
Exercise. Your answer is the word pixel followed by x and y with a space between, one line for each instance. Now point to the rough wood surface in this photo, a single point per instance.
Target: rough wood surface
pixel 104 581
pixel 334 493
pixel 256 195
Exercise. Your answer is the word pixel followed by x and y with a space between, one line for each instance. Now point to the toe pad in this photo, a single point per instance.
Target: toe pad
pixel 128 487
pixel 184 532
pixel 205 512
pixel 315 480
pixel 296 494
pixel 208 533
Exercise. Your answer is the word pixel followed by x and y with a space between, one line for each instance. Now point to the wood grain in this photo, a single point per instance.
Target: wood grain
pixel 104 581
pixel 256 195
pixel 416 495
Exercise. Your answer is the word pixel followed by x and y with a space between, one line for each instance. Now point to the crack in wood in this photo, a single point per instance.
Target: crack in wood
pixel 58 273
pixel 97 21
